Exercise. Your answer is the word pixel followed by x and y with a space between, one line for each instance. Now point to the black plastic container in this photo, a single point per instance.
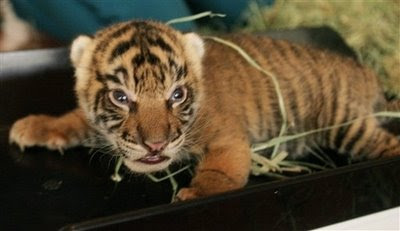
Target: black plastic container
pixel 41 189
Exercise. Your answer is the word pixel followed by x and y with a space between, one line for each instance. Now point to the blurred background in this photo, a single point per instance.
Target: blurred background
pixel 370 27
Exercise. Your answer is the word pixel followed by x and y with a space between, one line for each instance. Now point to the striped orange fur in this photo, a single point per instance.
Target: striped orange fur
pixel 154 94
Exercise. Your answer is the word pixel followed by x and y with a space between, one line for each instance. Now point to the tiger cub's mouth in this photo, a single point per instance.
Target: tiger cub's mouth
pixel 151 162
pixel 153 158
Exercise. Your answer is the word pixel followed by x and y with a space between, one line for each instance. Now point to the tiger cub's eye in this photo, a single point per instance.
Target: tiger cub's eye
pixel 178 95
pixel 119 98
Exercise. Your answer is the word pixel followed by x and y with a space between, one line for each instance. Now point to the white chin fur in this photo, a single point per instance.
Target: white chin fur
pixel 138 167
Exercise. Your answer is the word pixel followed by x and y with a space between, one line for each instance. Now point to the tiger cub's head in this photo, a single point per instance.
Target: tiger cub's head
pixel 139 84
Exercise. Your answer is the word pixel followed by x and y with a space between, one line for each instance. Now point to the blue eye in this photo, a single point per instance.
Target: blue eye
pixel 178 95
pixel 119 97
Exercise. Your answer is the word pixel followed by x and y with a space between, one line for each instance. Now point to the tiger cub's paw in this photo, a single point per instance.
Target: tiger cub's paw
pixel 187 194
pixel 44 131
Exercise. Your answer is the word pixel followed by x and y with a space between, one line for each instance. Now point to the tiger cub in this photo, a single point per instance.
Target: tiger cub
pixel 155 94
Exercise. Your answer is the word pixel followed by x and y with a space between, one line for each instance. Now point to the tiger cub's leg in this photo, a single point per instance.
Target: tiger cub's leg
pixel 56 133
pixel 223 168
pixel 366 138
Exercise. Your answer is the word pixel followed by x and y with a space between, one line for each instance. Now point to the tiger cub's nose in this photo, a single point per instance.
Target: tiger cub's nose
pixel 155 146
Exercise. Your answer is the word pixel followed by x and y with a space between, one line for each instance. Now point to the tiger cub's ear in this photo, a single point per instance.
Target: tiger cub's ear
pixel 194 43
pixel 77 48
pixel 194 47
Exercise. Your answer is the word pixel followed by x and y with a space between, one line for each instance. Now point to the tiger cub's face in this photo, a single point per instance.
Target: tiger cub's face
pixel 139 84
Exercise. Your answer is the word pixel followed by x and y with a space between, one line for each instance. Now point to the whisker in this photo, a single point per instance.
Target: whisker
pixel 105 150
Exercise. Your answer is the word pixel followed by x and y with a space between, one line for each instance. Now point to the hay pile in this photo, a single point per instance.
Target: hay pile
pixel 370 27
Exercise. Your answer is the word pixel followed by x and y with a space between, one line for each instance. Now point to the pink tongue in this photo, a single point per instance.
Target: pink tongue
pixel 153 159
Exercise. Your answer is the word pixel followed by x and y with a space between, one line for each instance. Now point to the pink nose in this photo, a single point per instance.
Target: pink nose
pixel 156 146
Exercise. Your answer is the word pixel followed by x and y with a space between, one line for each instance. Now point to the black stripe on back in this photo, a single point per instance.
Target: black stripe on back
pixel 307 85
pixel 349 146
pixel 340 135
pixel 374 144
pixel 306 56
pixel 290 91
pixel 388 147
pixel 256 87
pixel 335 96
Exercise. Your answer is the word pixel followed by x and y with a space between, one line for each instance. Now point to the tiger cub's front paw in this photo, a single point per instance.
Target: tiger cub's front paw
pixel 187 194
pixel 44 131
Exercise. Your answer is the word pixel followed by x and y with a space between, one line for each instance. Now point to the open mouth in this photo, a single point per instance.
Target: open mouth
pixel 152 158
